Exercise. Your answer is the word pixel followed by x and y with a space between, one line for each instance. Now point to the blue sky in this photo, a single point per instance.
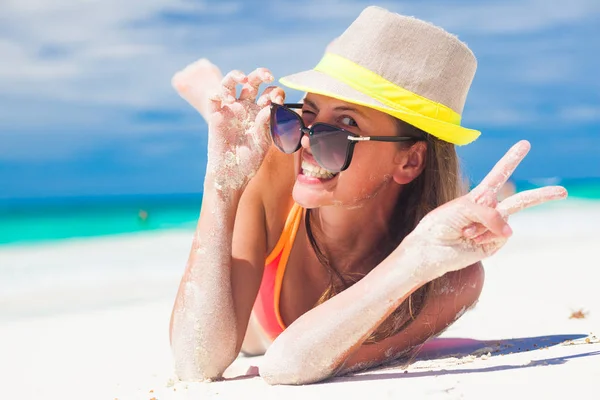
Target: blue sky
pixel 86 106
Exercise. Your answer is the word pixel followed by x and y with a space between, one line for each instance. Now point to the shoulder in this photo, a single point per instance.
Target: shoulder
pixel 450 297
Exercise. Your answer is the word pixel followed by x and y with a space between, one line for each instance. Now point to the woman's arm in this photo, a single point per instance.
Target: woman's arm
pixel 204 327
pixel 318 343
pixel 224 269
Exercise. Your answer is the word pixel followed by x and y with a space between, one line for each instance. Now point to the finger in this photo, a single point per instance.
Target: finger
pixel 474 230
pixel 488 237
pixel 530 198
pixel 503 169
pixel 214 103
pixel 255 79
pixel 490 218
pixel 272 94
pixel 262 125
pixel 229 84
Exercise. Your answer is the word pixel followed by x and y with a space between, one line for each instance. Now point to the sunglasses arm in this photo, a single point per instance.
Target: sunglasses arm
pixel 293 105
pixel 379 138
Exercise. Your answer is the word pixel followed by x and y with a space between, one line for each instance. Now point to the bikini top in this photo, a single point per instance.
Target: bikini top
pixel 266 306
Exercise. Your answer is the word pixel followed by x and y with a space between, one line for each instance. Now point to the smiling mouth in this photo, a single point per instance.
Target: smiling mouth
pixel 315 171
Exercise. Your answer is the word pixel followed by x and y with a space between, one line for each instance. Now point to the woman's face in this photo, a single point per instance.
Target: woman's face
pixel 370 172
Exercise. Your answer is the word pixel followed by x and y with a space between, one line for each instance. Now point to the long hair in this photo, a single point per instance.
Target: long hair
pixel 439 182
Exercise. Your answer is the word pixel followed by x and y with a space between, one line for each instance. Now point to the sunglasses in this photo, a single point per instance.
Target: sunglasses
pixel 332 147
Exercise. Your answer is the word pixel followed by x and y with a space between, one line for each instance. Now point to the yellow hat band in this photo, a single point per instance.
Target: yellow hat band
pixel 382 90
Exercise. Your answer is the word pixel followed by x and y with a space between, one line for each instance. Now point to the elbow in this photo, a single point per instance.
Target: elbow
pixel 201 363
pixel 288 369
pixel 281 376
pixel 199 354
pixel 200 351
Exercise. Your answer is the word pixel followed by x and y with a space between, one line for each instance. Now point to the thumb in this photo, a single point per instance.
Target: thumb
pixel 490 218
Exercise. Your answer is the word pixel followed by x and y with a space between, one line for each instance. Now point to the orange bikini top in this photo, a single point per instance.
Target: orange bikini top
pixel 266 306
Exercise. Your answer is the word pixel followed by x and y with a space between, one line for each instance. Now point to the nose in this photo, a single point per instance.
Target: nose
pixel 305 142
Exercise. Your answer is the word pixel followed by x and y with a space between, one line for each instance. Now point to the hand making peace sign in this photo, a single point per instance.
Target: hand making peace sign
pixel 474 226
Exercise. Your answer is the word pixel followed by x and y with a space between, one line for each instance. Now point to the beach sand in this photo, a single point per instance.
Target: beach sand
pixel 97 327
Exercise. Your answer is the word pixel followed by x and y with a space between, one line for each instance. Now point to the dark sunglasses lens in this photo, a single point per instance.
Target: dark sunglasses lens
pixel 285 129
pixel 329 146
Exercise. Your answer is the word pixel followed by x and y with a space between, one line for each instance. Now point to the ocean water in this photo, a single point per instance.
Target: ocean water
pixel 35 220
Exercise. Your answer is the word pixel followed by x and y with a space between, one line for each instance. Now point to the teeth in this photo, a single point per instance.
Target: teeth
pixel 315 171
pixel 315 175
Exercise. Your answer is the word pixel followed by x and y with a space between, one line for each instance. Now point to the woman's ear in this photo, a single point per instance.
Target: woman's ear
pixel 409 163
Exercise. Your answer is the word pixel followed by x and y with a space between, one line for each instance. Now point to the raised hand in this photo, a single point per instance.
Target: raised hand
pixel 473 227
pixel 238 137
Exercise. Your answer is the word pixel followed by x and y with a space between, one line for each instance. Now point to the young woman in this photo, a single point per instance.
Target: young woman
pixel 350 241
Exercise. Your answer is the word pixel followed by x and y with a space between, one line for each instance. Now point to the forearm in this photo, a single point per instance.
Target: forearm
pixel 316 345
pixel 203 323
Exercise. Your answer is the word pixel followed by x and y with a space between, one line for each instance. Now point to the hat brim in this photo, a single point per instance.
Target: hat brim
pixel 317 82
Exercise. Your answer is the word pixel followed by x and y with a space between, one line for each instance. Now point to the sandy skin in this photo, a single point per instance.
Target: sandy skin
pixel 450 238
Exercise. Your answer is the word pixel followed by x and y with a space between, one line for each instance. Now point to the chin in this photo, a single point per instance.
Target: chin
pixel 310 198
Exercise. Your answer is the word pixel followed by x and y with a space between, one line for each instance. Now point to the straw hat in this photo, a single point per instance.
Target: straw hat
pixel 402 66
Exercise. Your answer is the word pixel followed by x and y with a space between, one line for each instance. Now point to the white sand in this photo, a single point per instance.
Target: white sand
pixel 88 319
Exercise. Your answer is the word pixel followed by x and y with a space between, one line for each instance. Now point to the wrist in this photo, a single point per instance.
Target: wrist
pixel 228 174
pixel 410 265
pixel 220 182
pixel 218 209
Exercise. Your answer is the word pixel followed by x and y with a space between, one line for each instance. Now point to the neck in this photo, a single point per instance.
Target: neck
pixel 349 236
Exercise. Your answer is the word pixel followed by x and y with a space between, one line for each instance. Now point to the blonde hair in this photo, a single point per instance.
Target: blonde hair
pixel 439 182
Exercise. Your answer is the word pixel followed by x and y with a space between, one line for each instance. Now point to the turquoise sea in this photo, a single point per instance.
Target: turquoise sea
pixel 34 220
